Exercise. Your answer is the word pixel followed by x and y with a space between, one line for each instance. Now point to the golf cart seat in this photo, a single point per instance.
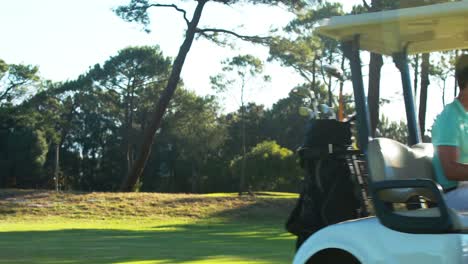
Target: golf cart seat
pixel 400 173
pixel 391 160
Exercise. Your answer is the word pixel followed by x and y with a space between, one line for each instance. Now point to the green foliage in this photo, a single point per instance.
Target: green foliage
pixel 107 111
pixel 133 66
pixel 297 53
pixel 195 125
pixel 305 51
pixel 394 130
pixel 135 11
pixel 255 128
pixel 22 155
pixel 284 124
pixel 15 81
pixel 305 21
pixel 237 72
pixel 193 131
pixel 3 67
pixel 269 167
pixel 441 68
pixel 244 65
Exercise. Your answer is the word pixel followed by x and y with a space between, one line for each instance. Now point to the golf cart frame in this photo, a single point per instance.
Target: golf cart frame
pixel 433 233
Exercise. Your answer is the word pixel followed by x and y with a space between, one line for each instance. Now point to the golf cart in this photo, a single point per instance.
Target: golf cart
pixel 431 232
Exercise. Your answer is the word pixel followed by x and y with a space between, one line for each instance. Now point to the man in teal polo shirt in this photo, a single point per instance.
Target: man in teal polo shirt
pixel 450 140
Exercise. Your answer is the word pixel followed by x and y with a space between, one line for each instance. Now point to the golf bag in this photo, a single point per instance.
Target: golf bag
pixel 329 192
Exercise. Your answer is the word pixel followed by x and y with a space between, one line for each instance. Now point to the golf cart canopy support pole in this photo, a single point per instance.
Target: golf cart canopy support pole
pixel 351 51
pixel 401 62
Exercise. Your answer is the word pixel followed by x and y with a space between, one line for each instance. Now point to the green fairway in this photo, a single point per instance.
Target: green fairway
pixel 249 232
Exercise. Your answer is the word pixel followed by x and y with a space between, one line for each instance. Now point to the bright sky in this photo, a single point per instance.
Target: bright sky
pixel 65 38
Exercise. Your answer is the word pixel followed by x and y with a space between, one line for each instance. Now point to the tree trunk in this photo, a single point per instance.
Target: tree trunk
pixel 139 165
pixel 341 109
pixel 375 66
pixel 242 176
pixel 416 75
pixel 129 143
pixel 314 70
pixel 423 93
pixel 443 91
pixel 330 95
pixel 194 178
pixel 57 167
pixel 455 79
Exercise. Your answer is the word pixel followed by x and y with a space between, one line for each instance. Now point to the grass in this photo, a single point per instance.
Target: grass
pixel 46 227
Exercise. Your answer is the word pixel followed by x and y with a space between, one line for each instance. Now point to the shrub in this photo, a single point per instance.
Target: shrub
pixel 269 167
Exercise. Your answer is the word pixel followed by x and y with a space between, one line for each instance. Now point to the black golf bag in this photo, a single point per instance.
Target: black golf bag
pixel 330 191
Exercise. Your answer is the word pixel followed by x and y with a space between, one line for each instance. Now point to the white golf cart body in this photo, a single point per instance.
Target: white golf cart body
pixel 396 237
pixel 371 242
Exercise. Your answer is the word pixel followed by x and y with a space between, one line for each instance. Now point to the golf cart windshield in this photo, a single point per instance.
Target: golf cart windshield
pixel 397 33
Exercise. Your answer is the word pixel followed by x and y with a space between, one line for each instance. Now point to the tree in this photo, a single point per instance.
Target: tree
pixel 81 123
pixel 45 112
pixel 137 11
pixel 23 149
pixel 60 106
pixel 442 69
pixel 301 54
pixel 455 83
pixel 195 132
pixel 415 65
pixel 375 67
pixel 246 69
pixel 283 122
pixel 256 129
pixel 306 52
pixel 53 122
pixel 129 74
pixel 15 80
pixel 425 68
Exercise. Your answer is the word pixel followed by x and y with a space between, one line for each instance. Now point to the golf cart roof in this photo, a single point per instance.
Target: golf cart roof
pixel 422 29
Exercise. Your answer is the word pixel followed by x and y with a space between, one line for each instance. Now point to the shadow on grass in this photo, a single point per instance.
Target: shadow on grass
pixel 265 243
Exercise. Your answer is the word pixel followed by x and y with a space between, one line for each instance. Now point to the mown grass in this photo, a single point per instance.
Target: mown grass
pixel 48 227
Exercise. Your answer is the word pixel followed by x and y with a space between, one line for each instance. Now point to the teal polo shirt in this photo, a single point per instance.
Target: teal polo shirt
pixel 450 129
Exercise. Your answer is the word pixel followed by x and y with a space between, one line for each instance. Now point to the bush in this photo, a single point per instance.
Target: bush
pixel 269 167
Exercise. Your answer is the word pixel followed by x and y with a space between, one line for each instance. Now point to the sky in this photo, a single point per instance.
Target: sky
pixel 65 38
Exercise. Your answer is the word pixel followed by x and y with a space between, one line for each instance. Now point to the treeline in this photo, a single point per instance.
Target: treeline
pixel 87 132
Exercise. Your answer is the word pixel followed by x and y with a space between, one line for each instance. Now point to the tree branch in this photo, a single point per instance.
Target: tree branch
pixel 255 39
pixel 7 91
pixel 12 86
pixel 175 7
pixel 324 74
pixel 302 73
pixel 366 5
pixel 4 94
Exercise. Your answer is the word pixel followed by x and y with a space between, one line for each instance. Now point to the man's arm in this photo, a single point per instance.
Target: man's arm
pixel 453 170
